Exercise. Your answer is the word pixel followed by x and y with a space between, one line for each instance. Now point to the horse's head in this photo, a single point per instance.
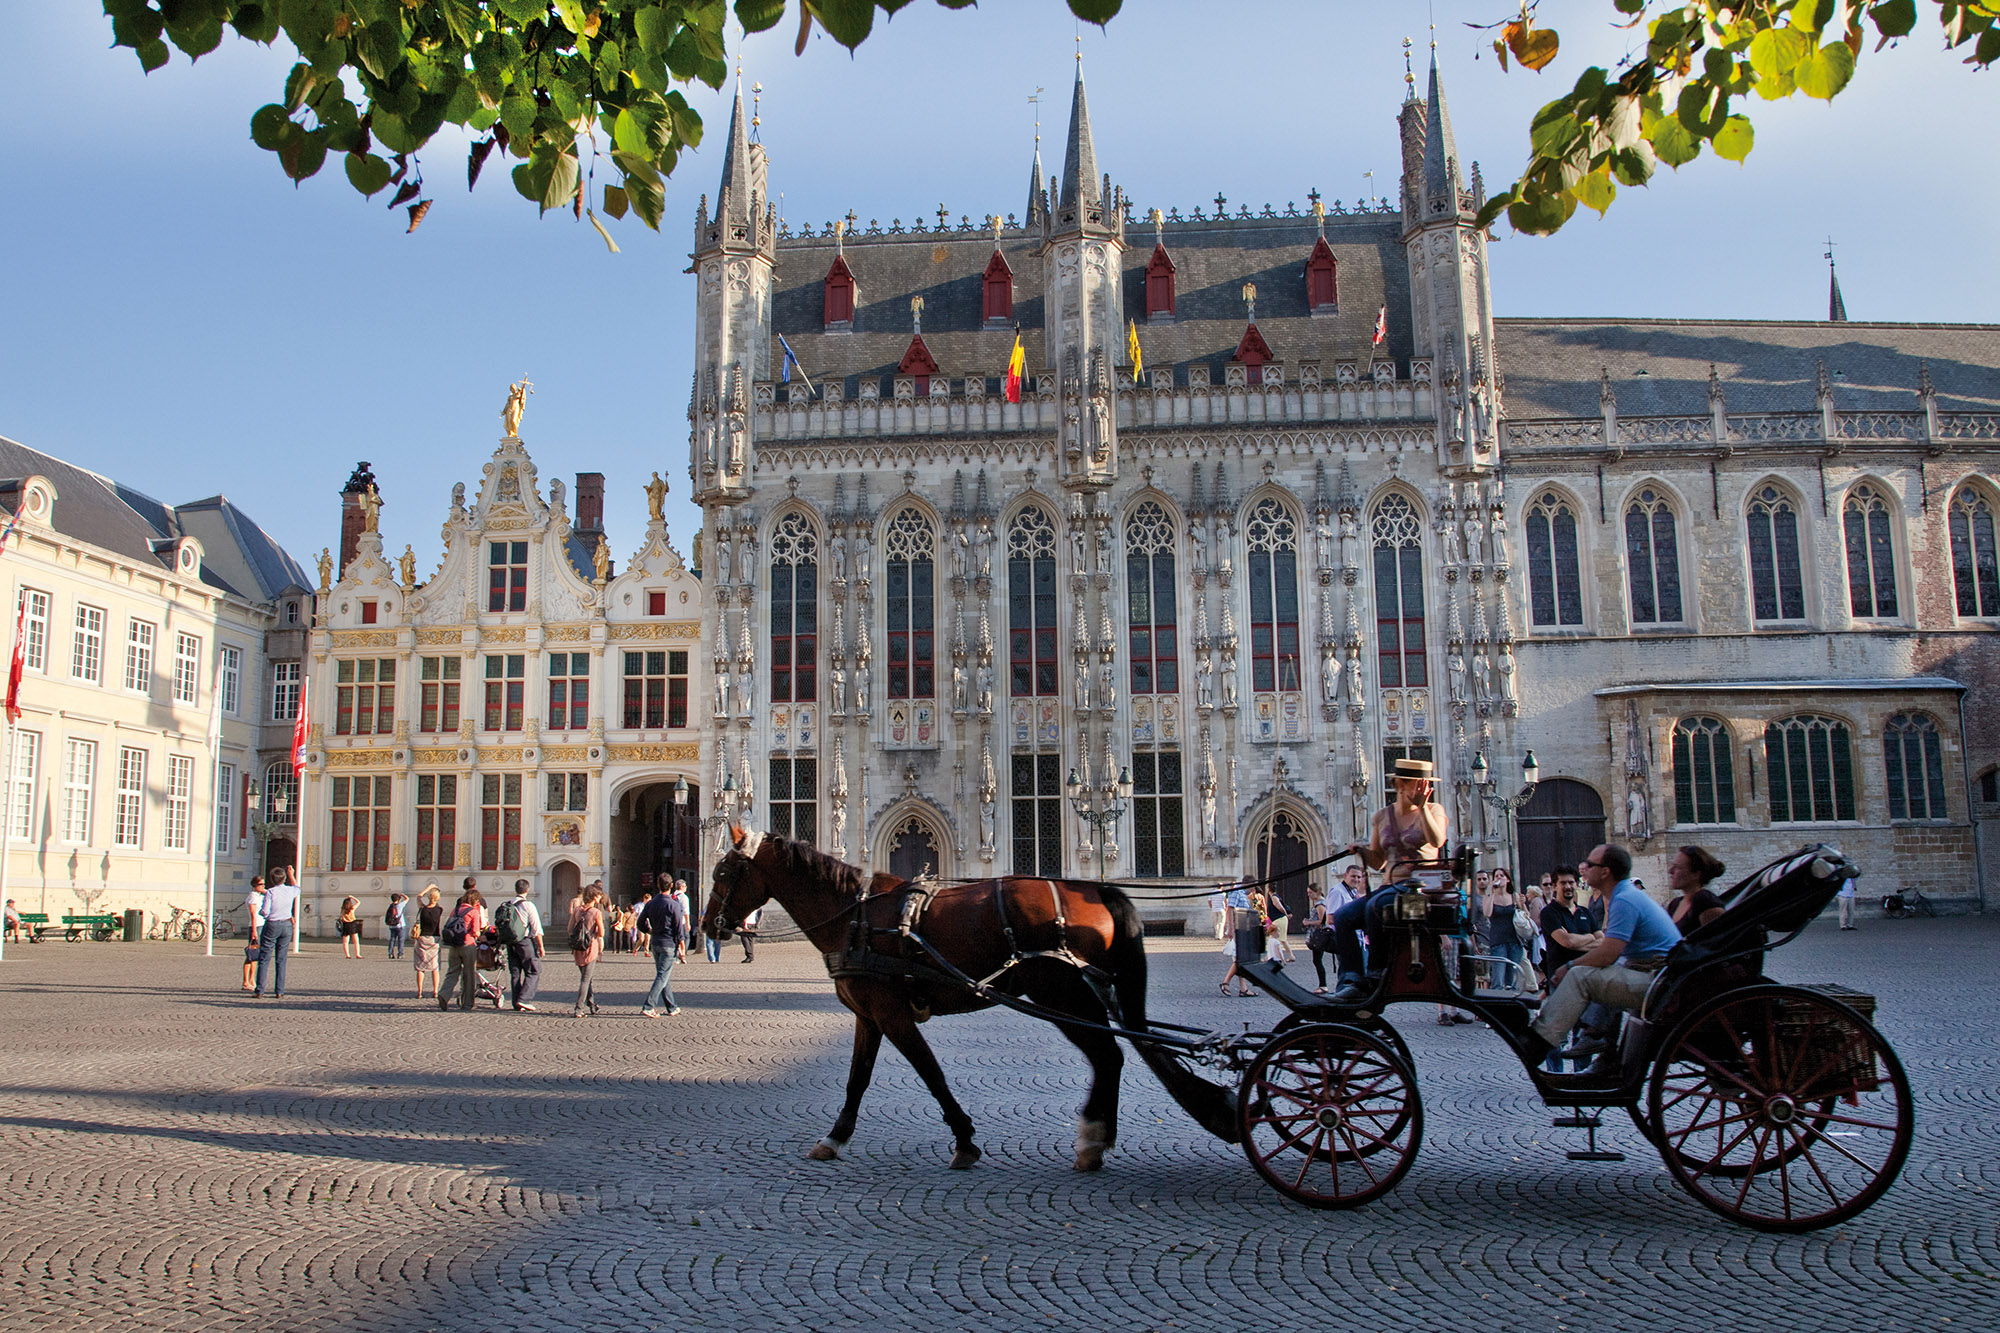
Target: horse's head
pixel 738 886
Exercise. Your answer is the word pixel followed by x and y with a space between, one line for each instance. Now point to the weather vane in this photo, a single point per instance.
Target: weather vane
pixel 1035 100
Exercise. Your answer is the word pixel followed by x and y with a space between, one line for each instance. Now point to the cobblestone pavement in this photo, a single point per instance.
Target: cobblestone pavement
pixel 173 1156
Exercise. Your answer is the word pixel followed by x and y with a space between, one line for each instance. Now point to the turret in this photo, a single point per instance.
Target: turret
pixel 734 255
pixel 1084 307
pixel 353 512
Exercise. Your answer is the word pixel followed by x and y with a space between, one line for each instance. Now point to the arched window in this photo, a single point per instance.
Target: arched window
pixel 1149 600
pixel 794 611
pixel 839 305
pixel 912 606
pixel 1777 584
pixel 1811 765
pixel 1974 570
pixel 1322 288
pixel 1031 603
pixel 1273 538
pixel 998 303
pixel 1399 594
pixel 1704 777
pixel 1555 581
pixel 281 780
pixel 1159 283
pixel 1913 760
pixel 1653 557
pixel 1871 554
pixel 913 850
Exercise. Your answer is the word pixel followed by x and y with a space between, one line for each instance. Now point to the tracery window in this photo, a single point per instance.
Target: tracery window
pixel 911 549
pixel 793 808
pixel 1031 604
pixel 1811 763
pixel 1150 600
pixel 1273 539
pixel 1653 559
pixel 1555 577
pixel 1871 554
pixel 1913 758
pixel 1975 572
pixel 1777 584
pixel 1704 776
pixel 1036 808
pixel 1159 843
pixel 1399 594
pixel 794 611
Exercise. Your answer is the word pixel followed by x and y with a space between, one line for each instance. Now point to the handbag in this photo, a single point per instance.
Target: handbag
pixel 1320 939
pixel 1524 928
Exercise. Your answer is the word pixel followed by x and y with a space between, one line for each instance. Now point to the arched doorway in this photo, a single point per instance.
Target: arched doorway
pixel 1282 855
pixel 279 852
pixel 913 850
pixel 654 842
pixel 1559 825
pixel 564 881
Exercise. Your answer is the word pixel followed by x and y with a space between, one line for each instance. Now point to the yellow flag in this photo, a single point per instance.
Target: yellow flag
pixel 1132 345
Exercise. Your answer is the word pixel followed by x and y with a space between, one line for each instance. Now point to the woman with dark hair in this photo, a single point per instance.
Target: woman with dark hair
pixel 460 938
pixel 350 928
pixel 1689 876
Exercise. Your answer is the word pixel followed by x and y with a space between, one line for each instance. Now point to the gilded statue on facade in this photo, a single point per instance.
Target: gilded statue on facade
pixel 517 403
pixel 325 571
pixel 600 559
pixel 408 565
pixel 371 510
pixel 656 498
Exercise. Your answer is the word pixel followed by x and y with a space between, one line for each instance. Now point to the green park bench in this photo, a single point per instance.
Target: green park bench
pixel 97 925
pixel 34 923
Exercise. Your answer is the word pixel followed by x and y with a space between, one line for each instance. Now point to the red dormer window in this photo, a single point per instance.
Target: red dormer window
pixel 918 361
pixel 1322 290
pixel 1159 283
pixel 840 294
pixel 1252 353
pixel 999 302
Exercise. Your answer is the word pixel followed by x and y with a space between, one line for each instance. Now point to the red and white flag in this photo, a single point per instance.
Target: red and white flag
pixel 299 731
pixel 8 531
pixel 20 659
pixel 1381 325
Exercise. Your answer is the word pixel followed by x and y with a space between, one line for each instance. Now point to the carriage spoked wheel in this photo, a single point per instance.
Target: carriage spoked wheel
pixel 1330 1115
pixel 1780 1108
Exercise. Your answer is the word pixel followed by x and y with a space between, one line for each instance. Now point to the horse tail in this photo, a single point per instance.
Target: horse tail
pixel 1212 1105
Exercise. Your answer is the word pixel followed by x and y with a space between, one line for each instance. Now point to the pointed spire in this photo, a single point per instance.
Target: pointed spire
pixel 1038 206
pixel 1442 181
pixel 735 222
pixel 1082 197
pixel 1836 309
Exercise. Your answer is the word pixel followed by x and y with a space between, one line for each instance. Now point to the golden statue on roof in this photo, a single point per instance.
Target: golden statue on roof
pixel 517 403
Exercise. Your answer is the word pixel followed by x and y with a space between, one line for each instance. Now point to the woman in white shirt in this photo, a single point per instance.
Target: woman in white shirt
pixel 255 902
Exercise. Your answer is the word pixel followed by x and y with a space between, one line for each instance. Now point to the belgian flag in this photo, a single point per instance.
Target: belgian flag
pixel 1014 364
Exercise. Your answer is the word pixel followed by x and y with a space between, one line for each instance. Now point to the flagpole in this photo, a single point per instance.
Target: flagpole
pixel 214 789
pixel 13 731
pixel 7 832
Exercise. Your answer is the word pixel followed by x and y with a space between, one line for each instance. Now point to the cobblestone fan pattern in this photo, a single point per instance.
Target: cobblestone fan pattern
pixel 177 1157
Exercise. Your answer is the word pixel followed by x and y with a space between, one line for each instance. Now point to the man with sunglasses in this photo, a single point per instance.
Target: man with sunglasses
pixel 1619 969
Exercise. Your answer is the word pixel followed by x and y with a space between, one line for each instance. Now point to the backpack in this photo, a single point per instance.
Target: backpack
pixel 579 931
pixel 393 917
pixel 456 927
pixel 510 923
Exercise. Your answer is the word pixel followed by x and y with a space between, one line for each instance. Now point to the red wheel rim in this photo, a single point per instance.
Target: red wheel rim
pixel 1330 1116
pixel 1781 1108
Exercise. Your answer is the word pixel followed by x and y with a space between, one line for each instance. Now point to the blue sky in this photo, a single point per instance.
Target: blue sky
pixel 177 315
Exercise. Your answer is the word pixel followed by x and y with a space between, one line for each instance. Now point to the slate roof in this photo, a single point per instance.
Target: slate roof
pixel 239 557
pixel 1213 259
pixel 1551 367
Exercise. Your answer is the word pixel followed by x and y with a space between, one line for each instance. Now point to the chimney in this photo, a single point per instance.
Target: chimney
pixel 351 516
pixel 590 502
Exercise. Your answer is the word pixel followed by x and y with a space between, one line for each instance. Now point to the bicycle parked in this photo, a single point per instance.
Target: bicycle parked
pixel 1906 904
pixel 185 925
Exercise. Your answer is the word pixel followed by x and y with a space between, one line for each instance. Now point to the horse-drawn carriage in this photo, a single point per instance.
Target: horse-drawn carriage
pixel 1778 1106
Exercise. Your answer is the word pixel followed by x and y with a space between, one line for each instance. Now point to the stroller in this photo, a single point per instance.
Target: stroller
pixel 492 958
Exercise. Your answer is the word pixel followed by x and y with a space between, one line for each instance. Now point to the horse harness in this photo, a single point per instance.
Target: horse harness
pixel 860 958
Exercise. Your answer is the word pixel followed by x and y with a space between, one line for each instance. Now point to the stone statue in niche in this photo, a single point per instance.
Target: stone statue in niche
pixel 1473 538
pixel 1103 544
pixel 837 696
pixel 958 689
pixel 722 565
pixel 746 689
pixel 1229 675
pixel 1079 561
pixel 1082 683
pixel 1324 531
pixel 837 555
pixel 1329 673
pixel 1107 686
pixel 1636 823
pixel 959 546
pixel 1479 411
pixel 1503 669
pixel 746 559
pixel 986 687
pixel 1455 675
pixel 1497 538
pixel 984 544
pixel 1208 815
pixel 722 693
pixel 986 820
pixel 839 821
pixel 861 675
pixel 864 552
pixel 1350 540
pixel 1204 685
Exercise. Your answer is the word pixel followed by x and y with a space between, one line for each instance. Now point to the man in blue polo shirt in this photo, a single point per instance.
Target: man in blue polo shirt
pixel 1617 972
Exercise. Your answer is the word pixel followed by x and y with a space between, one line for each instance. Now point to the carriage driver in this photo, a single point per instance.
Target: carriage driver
pixel 1638 934
pixel 1409 831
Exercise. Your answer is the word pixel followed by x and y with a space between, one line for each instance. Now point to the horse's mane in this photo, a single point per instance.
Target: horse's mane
pixel 803 859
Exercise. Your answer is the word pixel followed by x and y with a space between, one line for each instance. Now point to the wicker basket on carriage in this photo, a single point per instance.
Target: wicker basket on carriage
pixel 1849 1059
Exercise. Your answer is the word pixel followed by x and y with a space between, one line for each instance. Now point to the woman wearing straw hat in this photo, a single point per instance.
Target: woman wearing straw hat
pixel 1408 831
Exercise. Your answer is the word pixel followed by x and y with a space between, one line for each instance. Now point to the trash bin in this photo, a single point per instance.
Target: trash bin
pixel 135 925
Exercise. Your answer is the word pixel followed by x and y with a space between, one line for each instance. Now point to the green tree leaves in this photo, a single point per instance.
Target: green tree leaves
pixel 1702 59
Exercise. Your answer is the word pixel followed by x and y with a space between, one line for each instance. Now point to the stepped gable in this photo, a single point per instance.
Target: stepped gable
pixel 1552 366
pixel 1213 258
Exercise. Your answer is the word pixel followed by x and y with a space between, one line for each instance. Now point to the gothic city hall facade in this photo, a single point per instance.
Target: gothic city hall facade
pixel 1272 500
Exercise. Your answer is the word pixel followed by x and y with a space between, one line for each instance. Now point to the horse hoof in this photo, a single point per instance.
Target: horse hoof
pixel 824 1152
pixel 964 1158
pixel 1089 1160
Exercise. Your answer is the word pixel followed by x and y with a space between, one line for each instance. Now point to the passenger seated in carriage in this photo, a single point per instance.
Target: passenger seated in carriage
pixel 1408 832
pixel 1638 935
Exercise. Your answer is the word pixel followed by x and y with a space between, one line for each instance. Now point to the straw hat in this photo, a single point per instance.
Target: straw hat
pixel 1417 770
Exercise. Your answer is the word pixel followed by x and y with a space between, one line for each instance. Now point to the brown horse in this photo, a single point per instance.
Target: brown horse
pixel 1055 928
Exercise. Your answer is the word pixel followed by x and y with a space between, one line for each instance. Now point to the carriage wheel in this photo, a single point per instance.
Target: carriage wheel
pixel 194 932
pixel 1780 1108
pixel 1330 1116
